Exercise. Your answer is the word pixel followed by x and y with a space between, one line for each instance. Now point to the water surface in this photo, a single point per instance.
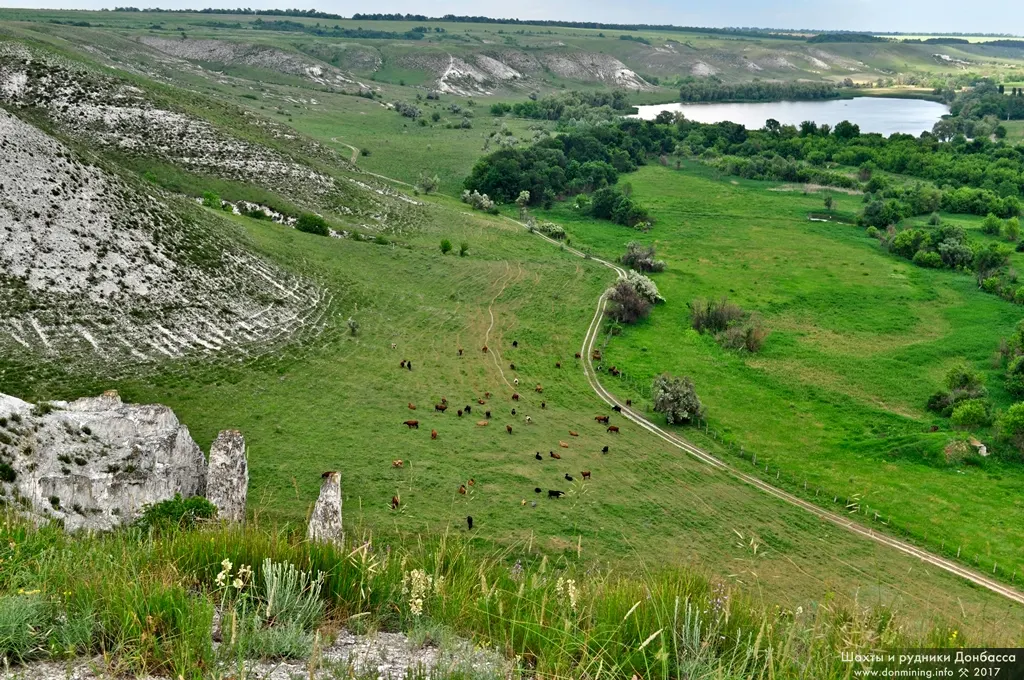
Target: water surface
pixel 883 115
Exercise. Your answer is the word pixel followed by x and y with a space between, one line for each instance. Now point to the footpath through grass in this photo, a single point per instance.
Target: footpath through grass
pixel 859 340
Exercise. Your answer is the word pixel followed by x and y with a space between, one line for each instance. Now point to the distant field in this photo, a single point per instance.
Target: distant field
pixel 1014 130
pixel 969 38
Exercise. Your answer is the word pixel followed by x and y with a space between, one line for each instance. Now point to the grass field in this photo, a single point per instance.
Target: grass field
pixel 859 341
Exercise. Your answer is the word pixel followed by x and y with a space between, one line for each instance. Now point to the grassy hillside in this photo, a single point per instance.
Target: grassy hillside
pixel 836 400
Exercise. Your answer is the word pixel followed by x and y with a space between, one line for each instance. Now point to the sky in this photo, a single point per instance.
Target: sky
pixel 914 16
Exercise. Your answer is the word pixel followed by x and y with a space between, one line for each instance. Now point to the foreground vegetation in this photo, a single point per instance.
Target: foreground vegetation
pixel 147 600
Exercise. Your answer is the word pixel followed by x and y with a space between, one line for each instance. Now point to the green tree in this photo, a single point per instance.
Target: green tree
pixel 1011 229
pixel 992 225
pixel 677 398
pixel 464 249
pixel 971 414
pixel 988 260
pixel 211 200
pixel 830 202
pixel 1011 425
pixel 312 224
pixel 446 246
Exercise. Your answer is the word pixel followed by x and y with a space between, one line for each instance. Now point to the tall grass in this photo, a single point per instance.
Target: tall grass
pixel 149 600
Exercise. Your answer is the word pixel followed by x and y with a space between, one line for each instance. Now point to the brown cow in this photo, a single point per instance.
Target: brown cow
pixel 563 444
pixel 462 489
pixel 484 348
pixel 472 482
pixel 487 395
pixel 395 502
pixel 515 396
pixel 508 428
pixel 444 400
pixel 481 402
pixel 433 434
pixel 441 407
pixel 538 388
pixel 554 455
pixel 412 406
pixel 412 424
pixel 613 428
pixel 601 419
pixel 573 434
pixel 459 412
pixel 481 423
pixel 397 463
pixel 586 474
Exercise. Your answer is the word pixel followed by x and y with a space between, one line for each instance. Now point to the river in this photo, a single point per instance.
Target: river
pixel 884 115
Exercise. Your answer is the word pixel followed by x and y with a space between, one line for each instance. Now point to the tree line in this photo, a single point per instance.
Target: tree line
pixel 335 32
pixel 710 90
pixel 569 106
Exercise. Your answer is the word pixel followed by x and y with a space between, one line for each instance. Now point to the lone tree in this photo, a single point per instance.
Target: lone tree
pixel 522 201
pixel 641 258
pixel 677 399
pixel 312 224
pixel 830 202
pixel 628 306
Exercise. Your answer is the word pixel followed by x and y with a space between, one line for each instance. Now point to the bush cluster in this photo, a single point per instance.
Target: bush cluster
pixel 730 324
pixel 641 258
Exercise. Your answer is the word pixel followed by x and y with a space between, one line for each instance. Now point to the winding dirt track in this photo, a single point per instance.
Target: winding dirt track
pixel 707 458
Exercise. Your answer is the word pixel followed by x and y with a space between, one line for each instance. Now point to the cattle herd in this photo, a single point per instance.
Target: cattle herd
pixel 442 407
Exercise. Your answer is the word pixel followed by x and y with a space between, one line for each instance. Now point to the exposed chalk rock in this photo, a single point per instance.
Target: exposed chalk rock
pixel 95 462
pixel 325 522
pixel 227 480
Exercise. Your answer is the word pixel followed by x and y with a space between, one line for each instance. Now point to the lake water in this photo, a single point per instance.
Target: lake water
pixel 873 114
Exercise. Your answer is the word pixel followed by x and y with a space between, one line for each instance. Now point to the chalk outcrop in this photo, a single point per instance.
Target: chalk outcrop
pixel 227 479
pixel 325 522
pixel 95 462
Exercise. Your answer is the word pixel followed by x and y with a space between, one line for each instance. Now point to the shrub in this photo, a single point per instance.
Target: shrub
pixel 552 230
pixel 1011 229
pixel 1011 425
pixel 464 249
pixel 749 336
pixel 211 200
pixel 176 512
pixel 628 306
pixel 644 287
pixel 479 201
pixel 709 316
pixel 873 232
pixel 992 225
pixel 1015 377
pixel 428 184
pixel 312 224
pixel 446 246
pixel 962 378
pixel 928 258
pixel 677 399
pixel 935 219
pixel 972 414
pixel 908 242
pixel 610 203
pixel 641 258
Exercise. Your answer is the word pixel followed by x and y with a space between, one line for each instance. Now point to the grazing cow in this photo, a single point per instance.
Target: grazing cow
pixel 552 493
pixel 558 364
pixel 573 434
pixel 487 414
pixel 512 366
pixel 402 364
pixel 563 444
pixel 408 364
pixel 460 351
pixel 536 489
pixel 468 409
pixel 484 348
pixel 515 381
pixel 444 400
pixel 397 463
pixel 601 419
pixel 515 396
pixel 462 489
pixel 586 474
pixel 554 455
pixel 617 408
pixel 459 412
pixel 433 434
pixel 472 482
pixel 513 411
pixel 529 420
pixel 538 456
pixel 487 395
pixel 395 502
pixel 412 423
pixel 568 477
pixel 394 345
pixel 604 449
pixel 543 404
pixel 515 343
pixel 412 406
pixel 577 355
pixel 481 402
pixel 595 355
pixel 441 407
pixel 613 428
pixel 935 428
pixel 629 402
pixel 481 423
pixel 508 428
pixel 538 388
pixel 469 522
